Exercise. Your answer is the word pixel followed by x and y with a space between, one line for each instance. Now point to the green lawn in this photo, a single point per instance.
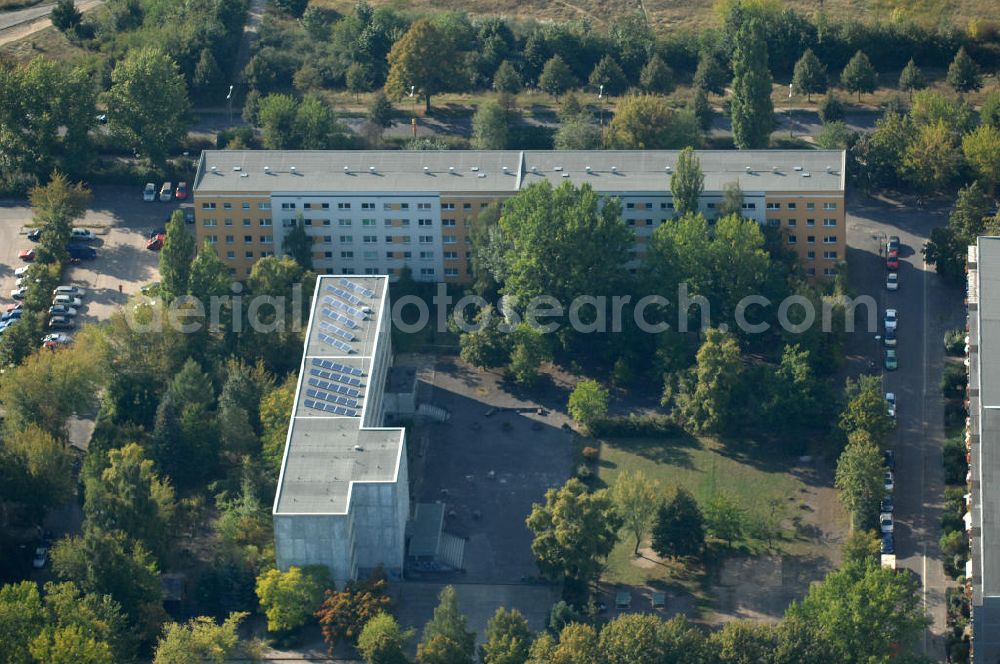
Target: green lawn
pixel 762 487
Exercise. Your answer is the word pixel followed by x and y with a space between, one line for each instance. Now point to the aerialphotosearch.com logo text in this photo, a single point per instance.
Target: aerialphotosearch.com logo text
pixel 584 314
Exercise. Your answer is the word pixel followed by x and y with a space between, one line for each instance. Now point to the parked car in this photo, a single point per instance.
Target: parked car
pixel 890 338
pixel 15 306
pixel 60 323
pixel 885 523
pixel 890 480
pixel 82 235
pixel 102 118
pixel 67 300
pixel 75 291
pixel 166 192
pixel 149 192
pixel 21 271
pixel 892 260
pixel 889 459
pixel 41 557
pixel 892 244
pixel 888 546
pixel 26 255
pixel 891 363
pixel 56 339
pixel 892 281
pixel 188 213
pixel 35 235
pixel 13 315
pixel 81 251
pixel 891 319
pixel 19 293
pixel 886 505
pixel 62 310
pixel 156 243
pixel 182 191
pixel 157 231
pixel 890 399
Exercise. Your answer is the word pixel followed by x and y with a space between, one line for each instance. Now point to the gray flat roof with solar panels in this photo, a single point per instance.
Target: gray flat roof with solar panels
pixel 501 172
pixel 328 448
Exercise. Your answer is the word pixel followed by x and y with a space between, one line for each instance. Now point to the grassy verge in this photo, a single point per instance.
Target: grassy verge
pixel 762 487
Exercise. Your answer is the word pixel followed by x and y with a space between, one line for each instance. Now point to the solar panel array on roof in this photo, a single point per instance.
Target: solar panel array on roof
pixel 337 366
pixel 340 318
pixel 329 396
pixel 357 288
pixel 357 313
pixel 344 295
pixel 336 343
pixel 342 389
pixel 331 408
pixel 339 331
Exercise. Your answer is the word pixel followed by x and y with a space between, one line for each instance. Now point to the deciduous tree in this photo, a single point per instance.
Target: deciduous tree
pixel 964 74
pixel 859 477
pixel 932 160
pixel 710 75
pixel 200 640
pixel 343 614
pixel 508 638
pixel 656 77
pixel 609 74
pixel 290 598
pixel 648 122
pixel 810 75
pixel 507 79
pixel 634 497
pixel 687 182
pixel 751 108
pixel 911 78
pixel 859 75
pixel 382 641
pixel 446 637
pixel 981 148
pixel 865 409
pixel 724 518
pixel 556 77
pixel 490 127
pixel 175 257
pixel 588 402
pixel 422 61
pixel 297 244
pixel 680 527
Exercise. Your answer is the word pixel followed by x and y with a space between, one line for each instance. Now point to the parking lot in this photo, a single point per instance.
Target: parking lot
pixel 121 221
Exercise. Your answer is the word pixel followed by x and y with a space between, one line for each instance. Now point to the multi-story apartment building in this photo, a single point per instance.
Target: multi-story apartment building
pixel 982 437
pixel 376 212
pixel 343 492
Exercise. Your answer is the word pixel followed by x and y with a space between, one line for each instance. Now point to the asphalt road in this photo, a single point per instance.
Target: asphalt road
pixel 926 308
pixel 20 23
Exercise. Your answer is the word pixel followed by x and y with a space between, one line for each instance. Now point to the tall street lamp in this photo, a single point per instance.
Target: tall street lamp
pixel 600 105
pixel 229 102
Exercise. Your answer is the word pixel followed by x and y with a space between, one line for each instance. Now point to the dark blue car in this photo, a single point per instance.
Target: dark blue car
pixel 81 251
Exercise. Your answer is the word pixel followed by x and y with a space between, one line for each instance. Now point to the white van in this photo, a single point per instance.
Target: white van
pixel 166 192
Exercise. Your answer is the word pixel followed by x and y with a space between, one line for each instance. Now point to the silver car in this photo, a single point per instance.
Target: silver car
pixel 67 300
pixel 75 291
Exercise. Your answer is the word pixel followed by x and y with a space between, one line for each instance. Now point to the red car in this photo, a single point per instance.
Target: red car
pixel 182 191
pixel 892 260
pixel 26 255
pixel 156 243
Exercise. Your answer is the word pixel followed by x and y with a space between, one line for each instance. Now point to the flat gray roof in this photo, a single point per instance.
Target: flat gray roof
pixel 327 449
pixel 483 171
pixel 985 376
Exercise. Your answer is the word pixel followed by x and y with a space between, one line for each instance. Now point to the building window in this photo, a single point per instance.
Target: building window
pixel 407 254
pixel 288 206
pixel 327 222
pixel 426 239
pixel 245 205
pixel 404 206
pixel 448 239
pixel 327 254
pixel 466 206
pixel 230 255
pixel 810 239
pixel 347 254
pixel 830 255
pixel 327 239
pixel 792 206
pixel 774 206
pixel 448 222
pixel 266 239
pixel 447 206
pixel 371 270
pixel 266 254
pixel 451 272
pixel 367 222
pixel 791 239
pixel 773 223
pixel 711 206
pixel 348 270
pixel 208 206
pixel 343 222
pixel 343 206
pixel 792 223
pixel 405 239
pixel 248 239
pixel 829 272
pixel 386 206
pixel 629 206
pixel 265 223
pixel 208 223
pixel 246 223
pixel 423 206
pixel 213 239
pixel 324 206
pixel 288 223
pixel 810 206
pixel 749 206
pixel 426 255
pixel 227 206
pixel 370 255
pixel 829 239
pixel 811 271
pixel 427 272
pixel 811 255
pixel 425 222
pixel 810 222
pixel 346 239
pixel 248 254
pixel 829 206
pixel 389 239
pixel 230 239
pixel 451 255
pixel 367 206
pixel 370 239
pixel 829 223
pixel 307 206
pixel 389 255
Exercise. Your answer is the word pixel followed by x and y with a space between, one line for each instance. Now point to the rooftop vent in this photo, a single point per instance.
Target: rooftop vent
pixel 505 169
pixel 451 169
pixel 244 175
pixel 481 175
pixel 427 169
pixel 347 169
pixel 267 169
pixel 565 175
pixel 774 169
pixel 798 168
pixel 534 169
pixel 829 169
pixel 371 169
pixel 475 169
pixel 749 170
pixel 587 168
pixel 214 169
pixel 358 448
pixel 614 169
pixel 668 169
pixel 805 175
pixel 557 168
pixel 291 169
pixel 237 168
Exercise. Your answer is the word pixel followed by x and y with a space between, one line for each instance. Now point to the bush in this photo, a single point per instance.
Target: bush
pixel 831 109
pixel 954 342
pixel 953 381
pixel 634 426
pixel 954 414
pixel 955 467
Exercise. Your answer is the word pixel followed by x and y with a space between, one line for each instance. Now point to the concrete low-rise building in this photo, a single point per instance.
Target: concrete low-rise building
pixel 343 493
